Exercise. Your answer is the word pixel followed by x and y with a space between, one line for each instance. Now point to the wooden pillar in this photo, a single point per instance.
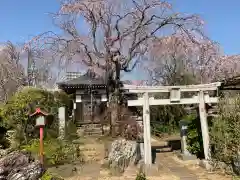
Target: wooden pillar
pixel 146 131
pixel 204 125
pixel 78 109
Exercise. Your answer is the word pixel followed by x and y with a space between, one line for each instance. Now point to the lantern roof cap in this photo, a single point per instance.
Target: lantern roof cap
pixel 38 111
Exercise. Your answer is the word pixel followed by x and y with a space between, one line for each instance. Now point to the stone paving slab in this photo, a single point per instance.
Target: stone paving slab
pixel 175 168
pixel 189 178
pixel 181 172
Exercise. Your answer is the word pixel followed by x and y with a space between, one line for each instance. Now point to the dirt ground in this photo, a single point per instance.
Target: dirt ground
pixel 167 167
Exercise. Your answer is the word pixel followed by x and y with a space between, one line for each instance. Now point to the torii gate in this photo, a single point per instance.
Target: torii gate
pixel 175 98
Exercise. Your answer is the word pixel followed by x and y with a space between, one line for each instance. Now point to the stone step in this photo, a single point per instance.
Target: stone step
pixel 92 129
pixel 87 125
pixel 92 133
pixel 92 126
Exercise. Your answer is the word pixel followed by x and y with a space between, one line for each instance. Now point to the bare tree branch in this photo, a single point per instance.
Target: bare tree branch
pixel 109 29
pixel 11 71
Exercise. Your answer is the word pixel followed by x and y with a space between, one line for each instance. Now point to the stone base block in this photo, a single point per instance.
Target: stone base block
pixel 206 164
pixel 185 157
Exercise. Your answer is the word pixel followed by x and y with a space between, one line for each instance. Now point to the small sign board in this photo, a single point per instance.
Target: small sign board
pixel 183 127
pixel 40 121
pixel 175 95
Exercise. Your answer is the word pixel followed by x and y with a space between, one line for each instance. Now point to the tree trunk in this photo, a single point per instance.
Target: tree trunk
pixel 114 99
pixel 114 114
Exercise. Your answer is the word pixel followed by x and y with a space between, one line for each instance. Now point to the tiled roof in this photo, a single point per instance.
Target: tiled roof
pixel 90 78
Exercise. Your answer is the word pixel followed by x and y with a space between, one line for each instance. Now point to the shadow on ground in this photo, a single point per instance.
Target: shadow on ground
pixel 172 145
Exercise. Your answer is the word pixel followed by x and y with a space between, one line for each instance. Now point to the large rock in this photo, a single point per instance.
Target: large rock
pixel 122 153
pixel 3 152
pixel 236 164
pixel 20 166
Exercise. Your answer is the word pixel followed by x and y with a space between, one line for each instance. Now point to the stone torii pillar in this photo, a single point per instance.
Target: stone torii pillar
pixel 204 124
pixel 147 131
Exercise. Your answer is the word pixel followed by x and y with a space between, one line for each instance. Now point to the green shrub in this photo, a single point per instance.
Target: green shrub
pixel 71 131
pixel 236 178
pixel 62 98
pixel 141 173
pixel 15 113
pixel 4 143
pixel 141 176
pixel 56 151
pixel 160 129
pixel 194 136
pixel 165 119
pixel 225 130
pixel 49 176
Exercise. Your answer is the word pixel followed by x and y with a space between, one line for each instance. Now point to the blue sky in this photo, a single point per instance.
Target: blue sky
pixel 21 19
